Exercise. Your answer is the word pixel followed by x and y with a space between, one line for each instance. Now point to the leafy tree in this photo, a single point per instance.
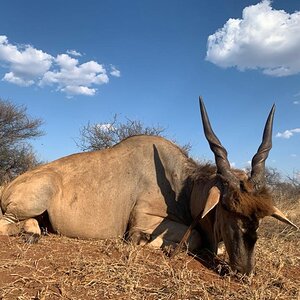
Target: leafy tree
pixel 16 128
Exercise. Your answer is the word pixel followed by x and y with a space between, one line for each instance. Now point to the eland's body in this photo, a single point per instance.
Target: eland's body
pixel 147 188
pixel 132 186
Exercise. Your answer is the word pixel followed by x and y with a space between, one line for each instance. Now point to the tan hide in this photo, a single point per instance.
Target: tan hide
pixel 212 200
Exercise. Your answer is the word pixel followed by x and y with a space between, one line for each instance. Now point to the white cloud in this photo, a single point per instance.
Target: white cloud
pixel 74 78
pixel 78 90
pixel 25 63
pixel 74 53
pixel 105 127
pixel 264 38
pixel 115 72
pixel 296 102
pixel 66 62
pixel 28 66
pixel 13 78
pixel 288 133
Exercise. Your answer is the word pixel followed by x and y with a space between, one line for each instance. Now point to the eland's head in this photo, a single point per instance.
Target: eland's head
pixel 239 201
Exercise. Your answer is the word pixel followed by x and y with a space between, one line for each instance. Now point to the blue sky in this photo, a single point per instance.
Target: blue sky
pixel 74 62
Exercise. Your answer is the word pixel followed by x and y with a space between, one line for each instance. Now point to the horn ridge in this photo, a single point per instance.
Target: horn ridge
pixel 223 165
pixel 258 160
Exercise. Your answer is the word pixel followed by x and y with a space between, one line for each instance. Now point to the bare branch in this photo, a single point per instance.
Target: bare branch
pixel 105 135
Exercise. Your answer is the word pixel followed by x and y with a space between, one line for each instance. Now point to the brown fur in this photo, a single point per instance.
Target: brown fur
pixel 201 172
pixel 245 201
pixel 248 202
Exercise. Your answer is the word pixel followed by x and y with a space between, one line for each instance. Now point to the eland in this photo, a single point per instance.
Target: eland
pixel 147 189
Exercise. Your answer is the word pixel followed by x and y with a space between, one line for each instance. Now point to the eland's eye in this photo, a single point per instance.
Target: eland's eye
pixel 250 224
pixel 249 230
pixel 250 238
pixel 243 229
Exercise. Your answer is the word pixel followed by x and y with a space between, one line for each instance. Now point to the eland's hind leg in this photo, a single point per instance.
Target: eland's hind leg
pixel 30 228
pixel 9 225
pixel 25 199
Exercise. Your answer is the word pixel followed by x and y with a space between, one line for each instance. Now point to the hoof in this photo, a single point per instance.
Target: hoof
pixel 168 249
pixel 145 238
pixel 31 238
pixel 140 238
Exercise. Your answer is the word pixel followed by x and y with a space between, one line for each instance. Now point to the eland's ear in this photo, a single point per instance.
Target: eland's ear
pixel 212 200
pixel 279 215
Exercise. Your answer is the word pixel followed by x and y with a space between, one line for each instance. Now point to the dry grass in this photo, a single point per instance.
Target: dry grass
pixel 62 268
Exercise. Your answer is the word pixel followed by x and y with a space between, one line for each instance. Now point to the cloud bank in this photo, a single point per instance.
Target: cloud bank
pixel 264 38
pixel 28 66
pixel 288 133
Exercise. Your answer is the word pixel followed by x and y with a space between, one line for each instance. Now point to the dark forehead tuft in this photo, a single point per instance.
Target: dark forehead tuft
pixel 249 202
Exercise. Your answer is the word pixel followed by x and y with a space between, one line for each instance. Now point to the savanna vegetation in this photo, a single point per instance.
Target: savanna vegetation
pixel 106 134
pixel 63 268
pixel 17 128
